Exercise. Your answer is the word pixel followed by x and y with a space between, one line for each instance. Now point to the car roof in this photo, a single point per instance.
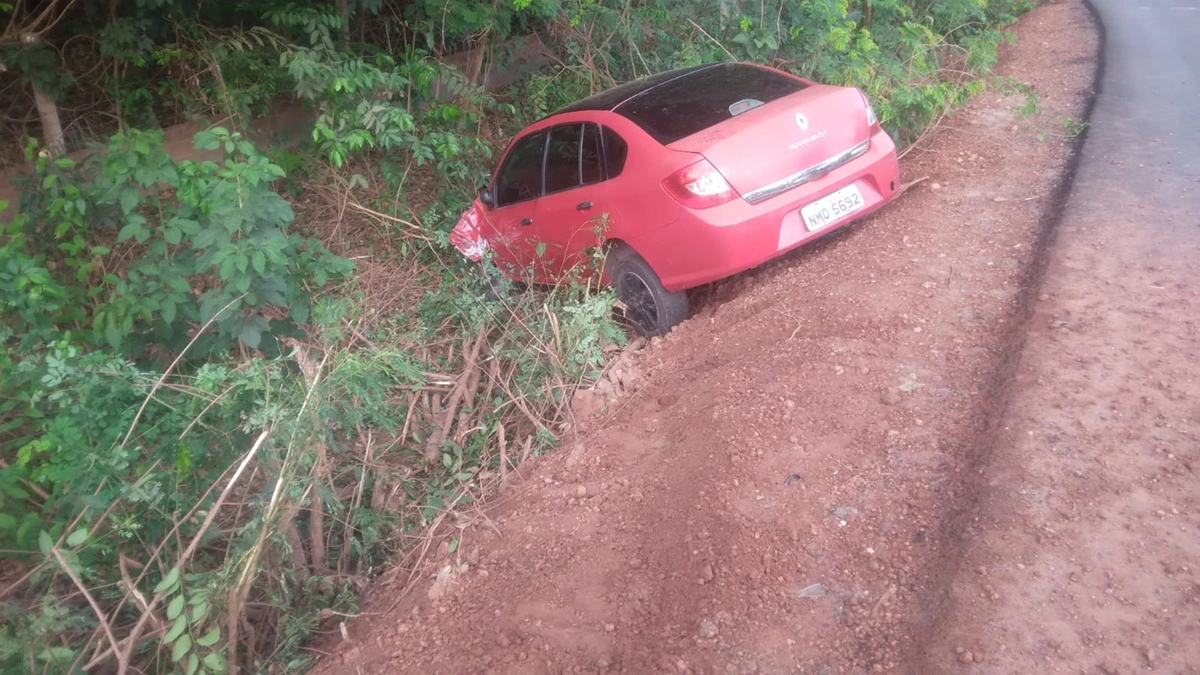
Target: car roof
pixel 610 99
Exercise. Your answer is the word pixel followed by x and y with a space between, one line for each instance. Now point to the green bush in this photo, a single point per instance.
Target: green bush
pixel 123 467
pixel 913 59
pixel 209 243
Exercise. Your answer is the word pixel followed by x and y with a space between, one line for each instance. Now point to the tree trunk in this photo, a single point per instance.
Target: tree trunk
pixel 52 133
pixel 343 11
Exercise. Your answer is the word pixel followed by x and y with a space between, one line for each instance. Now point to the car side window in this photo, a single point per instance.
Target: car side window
pixel 520 178
pixel 591 157
pixel 562 158
pixel 616 150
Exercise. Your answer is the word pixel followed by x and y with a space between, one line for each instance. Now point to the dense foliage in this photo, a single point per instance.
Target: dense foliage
pixel 214 426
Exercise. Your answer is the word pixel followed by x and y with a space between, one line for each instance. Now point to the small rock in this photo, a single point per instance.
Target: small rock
pixel 609 627
pixel 442 584
pixel 708 629
pixel 708 572
pixel 631 378
pixel 966 657
pixel 844 512
pixel 605 388
pixel 586 403
pixel 616 374
pixel 935 186
pixel 581 492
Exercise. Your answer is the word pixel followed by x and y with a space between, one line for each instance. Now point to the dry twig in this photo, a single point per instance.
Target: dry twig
pixel 132 639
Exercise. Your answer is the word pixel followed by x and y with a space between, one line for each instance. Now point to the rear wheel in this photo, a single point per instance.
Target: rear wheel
pixel 651 308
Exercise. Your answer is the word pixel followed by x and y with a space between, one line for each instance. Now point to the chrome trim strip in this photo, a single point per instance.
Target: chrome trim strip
pixel 802 177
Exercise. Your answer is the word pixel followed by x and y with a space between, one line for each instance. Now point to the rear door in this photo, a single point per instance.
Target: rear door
pixel 569 212
pixel 510 229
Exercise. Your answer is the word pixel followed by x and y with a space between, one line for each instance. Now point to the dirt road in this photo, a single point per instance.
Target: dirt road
pixel 794 484
pixel 1085 554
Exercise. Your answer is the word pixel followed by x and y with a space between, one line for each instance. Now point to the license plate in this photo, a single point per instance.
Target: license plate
pixel 832 208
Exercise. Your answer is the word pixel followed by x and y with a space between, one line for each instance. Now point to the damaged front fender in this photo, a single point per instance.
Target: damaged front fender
pixel 467 235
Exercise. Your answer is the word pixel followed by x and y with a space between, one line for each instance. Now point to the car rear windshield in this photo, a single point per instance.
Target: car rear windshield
pixel 704 98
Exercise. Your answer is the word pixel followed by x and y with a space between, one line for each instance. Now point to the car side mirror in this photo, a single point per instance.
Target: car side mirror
pixel 486 196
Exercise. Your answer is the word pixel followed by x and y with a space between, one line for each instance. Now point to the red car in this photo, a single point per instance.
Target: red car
pixel 683 178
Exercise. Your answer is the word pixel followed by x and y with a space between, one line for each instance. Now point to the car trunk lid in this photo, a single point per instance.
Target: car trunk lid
pixel 774 147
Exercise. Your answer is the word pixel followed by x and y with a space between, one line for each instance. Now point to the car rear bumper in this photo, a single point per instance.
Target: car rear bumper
pixel 710 244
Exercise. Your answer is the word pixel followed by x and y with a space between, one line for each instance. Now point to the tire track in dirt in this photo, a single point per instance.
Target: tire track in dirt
pixel 666 536
pixel 999 388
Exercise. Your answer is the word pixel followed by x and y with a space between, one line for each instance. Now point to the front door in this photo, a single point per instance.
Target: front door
pixel 511 234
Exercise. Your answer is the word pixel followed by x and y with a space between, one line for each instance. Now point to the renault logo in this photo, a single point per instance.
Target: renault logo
pixel 802 121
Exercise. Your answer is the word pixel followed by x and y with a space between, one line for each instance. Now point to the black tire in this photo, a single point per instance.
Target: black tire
pixel 650 308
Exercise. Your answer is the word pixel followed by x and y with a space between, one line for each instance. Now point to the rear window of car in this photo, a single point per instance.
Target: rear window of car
pixel 616 150
pixel 704 98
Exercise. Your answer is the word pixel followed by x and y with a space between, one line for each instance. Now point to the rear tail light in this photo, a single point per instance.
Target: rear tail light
pixel 872 120
pixel 699 186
